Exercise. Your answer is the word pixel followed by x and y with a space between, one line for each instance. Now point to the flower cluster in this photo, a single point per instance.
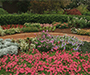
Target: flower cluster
pixel 63 25
pixel 12 26
pixel 61 63
pixel 49 42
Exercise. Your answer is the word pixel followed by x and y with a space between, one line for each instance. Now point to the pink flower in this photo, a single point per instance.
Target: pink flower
pixel 0 68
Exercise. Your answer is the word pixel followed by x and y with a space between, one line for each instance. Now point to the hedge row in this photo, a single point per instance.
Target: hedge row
pixel 36 18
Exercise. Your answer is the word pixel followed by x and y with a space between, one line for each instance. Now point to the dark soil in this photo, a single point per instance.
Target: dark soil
pixel 68 31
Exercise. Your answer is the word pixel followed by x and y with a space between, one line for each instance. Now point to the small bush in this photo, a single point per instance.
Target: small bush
pixel 30 29
pixel 85 47
pixel 32 25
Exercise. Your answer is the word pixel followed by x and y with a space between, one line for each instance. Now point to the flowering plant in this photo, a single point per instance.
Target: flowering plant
pixel 12 26
pixel 63 25
pixel 48 42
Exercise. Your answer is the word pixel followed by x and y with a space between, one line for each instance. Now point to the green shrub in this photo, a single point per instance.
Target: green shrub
pixel 32 25
pixel 12 31
pixel 30 29
pixel 85 47
pixel 36 18
pixel 86 13
pixel 79 22
pixel 2 11
pixel 82 8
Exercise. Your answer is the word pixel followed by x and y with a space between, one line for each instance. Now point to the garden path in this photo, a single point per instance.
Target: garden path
pixel 32 34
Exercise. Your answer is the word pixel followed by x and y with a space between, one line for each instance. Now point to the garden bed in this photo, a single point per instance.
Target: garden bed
pixel 63 58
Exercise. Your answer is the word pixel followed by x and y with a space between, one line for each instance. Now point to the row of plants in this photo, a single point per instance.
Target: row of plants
pixel 80 31
pixel 60 25
pixel 12 26
pixel 27 27
pixel 17 30
pixel 36 18
pixel 74 22
pixel 46 42
pixel 79 22
pixel 38 59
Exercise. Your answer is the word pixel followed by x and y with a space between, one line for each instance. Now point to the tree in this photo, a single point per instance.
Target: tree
pixel 42 5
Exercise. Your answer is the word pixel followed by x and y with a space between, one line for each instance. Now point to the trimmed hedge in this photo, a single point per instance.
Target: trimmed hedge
pixel 35 18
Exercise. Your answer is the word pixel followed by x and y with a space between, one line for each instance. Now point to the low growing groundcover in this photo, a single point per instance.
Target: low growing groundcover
pixel 63 58
pixel 46 63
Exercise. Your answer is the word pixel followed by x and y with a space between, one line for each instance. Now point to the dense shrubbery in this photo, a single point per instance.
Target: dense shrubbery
pixel 79 22
pixel 30 29
pixel 36 18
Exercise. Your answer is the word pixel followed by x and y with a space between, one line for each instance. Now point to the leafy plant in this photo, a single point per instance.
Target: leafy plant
pixel 32 25
pixel 47 42
pixel 86 47
pixel 30 29
pixel 80 23
pixel 8 47
pixel 2 33
pixel 24 47
pixel 82 8
pixel 74 30
pixel 12 31
pixel 63 25
pixel 50 28
pixel 54 28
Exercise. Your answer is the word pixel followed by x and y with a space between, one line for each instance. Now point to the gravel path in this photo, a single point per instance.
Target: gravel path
pixel 32 34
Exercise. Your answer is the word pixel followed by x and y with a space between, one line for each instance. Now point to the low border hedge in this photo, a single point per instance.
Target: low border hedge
pixel 35 18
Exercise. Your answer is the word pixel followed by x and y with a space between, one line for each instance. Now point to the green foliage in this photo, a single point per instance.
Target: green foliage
pixel 63 25
pixel 2 11
pixel 74 30
pixel 12 31
pixel 82 8
pixel 86 13
pixel 85 47
pixel 32 25
pixel 79 22
pixel 54 28
pixel 30 29
pixel 36 18
pixel 2 33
